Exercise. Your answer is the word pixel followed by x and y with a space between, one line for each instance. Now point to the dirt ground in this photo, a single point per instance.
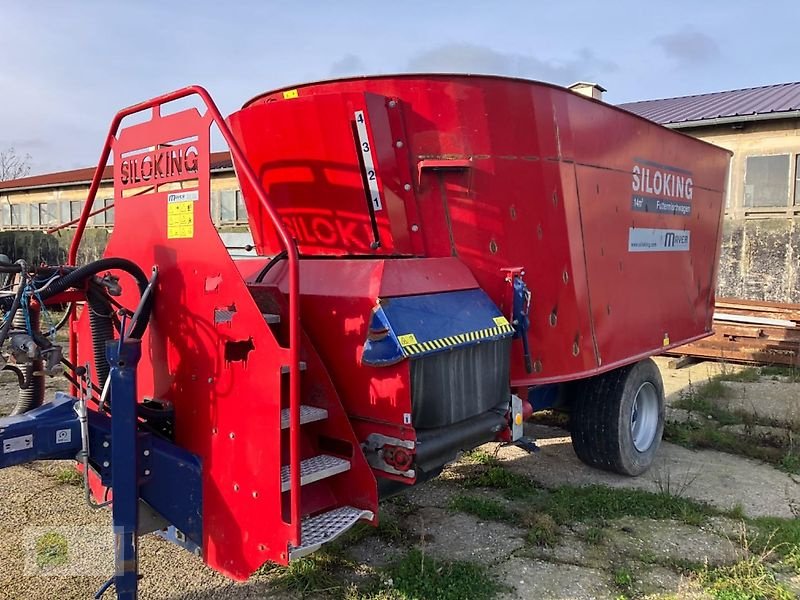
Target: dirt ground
pixel 621 557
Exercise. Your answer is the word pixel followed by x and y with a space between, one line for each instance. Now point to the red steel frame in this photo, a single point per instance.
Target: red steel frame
pixel 286 240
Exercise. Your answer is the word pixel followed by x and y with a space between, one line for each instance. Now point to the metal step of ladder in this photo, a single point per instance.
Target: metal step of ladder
pixel 271 318
pixel 308 414
pixel 314 469
pixel 326 527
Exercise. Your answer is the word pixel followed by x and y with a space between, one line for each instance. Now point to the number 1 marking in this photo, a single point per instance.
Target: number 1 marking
pixel 369 163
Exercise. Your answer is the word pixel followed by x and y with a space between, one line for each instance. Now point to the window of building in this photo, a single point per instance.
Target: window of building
pixel 75 207
pixel 5 214
pixel 766 181
pixel 109 202
pixel 797 180
pixel 241 209
pixel 231 207
pixel 107 216
pixel 47 213
pixel 63 212
pixel 20 214
pixel 35 215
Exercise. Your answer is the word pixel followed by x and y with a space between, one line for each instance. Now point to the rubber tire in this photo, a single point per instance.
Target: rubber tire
pixel 601 415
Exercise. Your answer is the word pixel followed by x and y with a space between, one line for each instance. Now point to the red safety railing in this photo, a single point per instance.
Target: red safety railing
pixel 245 170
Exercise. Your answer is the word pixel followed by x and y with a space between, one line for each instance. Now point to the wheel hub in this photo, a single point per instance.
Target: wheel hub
pixel 644 417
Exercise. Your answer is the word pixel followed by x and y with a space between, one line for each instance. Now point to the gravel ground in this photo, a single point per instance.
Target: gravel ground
pixel 34 501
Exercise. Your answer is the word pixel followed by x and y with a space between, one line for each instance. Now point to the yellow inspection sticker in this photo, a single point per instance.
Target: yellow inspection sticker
pixel 407 339
pixel 180 214
pixel 500 321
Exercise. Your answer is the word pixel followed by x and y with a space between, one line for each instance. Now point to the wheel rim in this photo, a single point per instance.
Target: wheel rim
pixel 644 417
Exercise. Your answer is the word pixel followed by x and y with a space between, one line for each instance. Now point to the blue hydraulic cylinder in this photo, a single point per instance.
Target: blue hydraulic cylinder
pixel 123 356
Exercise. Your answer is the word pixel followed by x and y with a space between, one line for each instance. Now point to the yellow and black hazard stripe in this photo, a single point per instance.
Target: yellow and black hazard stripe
pixel 412 347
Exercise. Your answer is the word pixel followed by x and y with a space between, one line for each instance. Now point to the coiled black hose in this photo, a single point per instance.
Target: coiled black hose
pixel 79 275
pixel 102 327
pixel 101 315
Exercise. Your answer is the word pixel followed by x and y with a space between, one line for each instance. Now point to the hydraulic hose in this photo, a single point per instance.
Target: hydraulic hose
pixel 79 275
pixel 272 262
pixel 15 304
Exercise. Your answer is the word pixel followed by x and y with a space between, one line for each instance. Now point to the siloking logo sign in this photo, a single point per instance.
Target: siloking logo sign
pixel 664 190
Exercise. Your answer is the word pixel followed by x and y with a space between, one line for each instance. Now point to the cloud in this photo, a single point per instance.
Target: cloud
pixel 688 47
pixel 349 64
pixel 472 58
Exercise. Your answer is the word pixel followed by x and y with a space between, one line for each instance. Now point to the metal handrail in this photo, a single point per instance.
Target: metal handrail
pixel 286 241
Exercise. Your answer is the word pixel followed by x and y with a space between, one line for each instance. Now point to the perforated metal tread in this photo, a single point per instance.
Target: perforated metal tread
pixel 326 527
pixel 271 318
pixel 308 414
pixel 285 368
pixel 315 468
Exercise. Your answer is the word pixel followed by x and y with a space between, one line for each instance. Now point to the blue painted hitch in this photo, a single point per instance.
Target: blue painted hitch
pixel 50 432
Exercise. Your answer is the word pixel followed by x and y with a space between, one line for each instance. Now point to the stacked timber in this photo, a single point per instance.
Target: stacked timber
pixel 750 331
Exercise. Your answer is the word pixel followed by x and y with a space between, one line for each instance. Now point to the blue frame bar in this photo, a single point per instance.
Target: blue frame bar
pixel 123 356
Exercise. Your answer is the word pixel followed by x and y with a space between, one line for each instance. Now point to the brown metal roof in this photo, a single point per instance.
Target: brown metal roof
pixel 770 101
pixel 219 160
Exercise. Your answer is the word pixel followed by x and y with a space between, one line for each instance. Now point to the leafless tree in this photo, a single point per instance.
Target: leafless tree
pixel 13 165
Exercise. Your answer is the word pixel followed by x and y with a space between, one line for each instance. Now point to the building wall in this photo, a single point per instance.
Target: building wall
pixel 760 244
pixel 28 238
pixel 46 208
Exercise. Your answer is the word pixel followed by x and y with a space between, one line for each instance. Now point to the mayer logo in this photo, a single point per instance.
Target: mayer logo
pixel 641 239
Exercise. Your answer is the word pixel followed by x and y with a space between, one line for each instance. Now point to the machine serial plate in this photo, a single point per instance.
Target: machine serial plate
pixel 23 442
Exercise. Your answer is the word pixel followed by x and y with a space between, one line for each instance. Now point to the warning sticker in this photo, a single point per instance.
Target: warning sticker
pixel 180 214
pixel 500 321
pixel 407 339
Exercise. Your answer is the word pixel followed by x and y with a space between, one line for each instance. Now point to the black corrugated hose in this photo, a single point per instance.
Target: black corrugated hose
pixel 100 310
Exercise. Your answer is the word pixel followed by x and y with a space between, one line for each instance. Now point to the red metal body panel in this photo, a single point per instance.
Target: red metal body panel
pixel 504 173
pixel 337 299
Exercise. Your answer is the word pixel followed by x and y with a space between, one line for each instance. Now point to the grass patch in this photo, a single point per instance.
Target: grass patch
pixel 623 578
pixel 51 550
pixel 494 476
pixel 791 373
pixel 69 476
pixel 569 504
pixel 699 401
pixel 479 457
pixel 315 574
pixel 746 375
pixel 748 579
pixel 420 577
pixel 483 508
pixel 594 535
pixel 707 435
pixel 542 530
pixel 781 536
pixel 790 463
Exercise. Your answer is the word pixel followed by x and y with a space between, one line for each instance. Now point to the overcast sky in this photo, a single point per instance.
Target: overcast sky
pixel 66 67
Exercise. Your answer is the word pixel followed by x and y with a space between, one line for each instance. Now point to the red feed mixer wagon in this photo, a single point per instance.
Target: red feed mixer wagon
pixel 438 256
